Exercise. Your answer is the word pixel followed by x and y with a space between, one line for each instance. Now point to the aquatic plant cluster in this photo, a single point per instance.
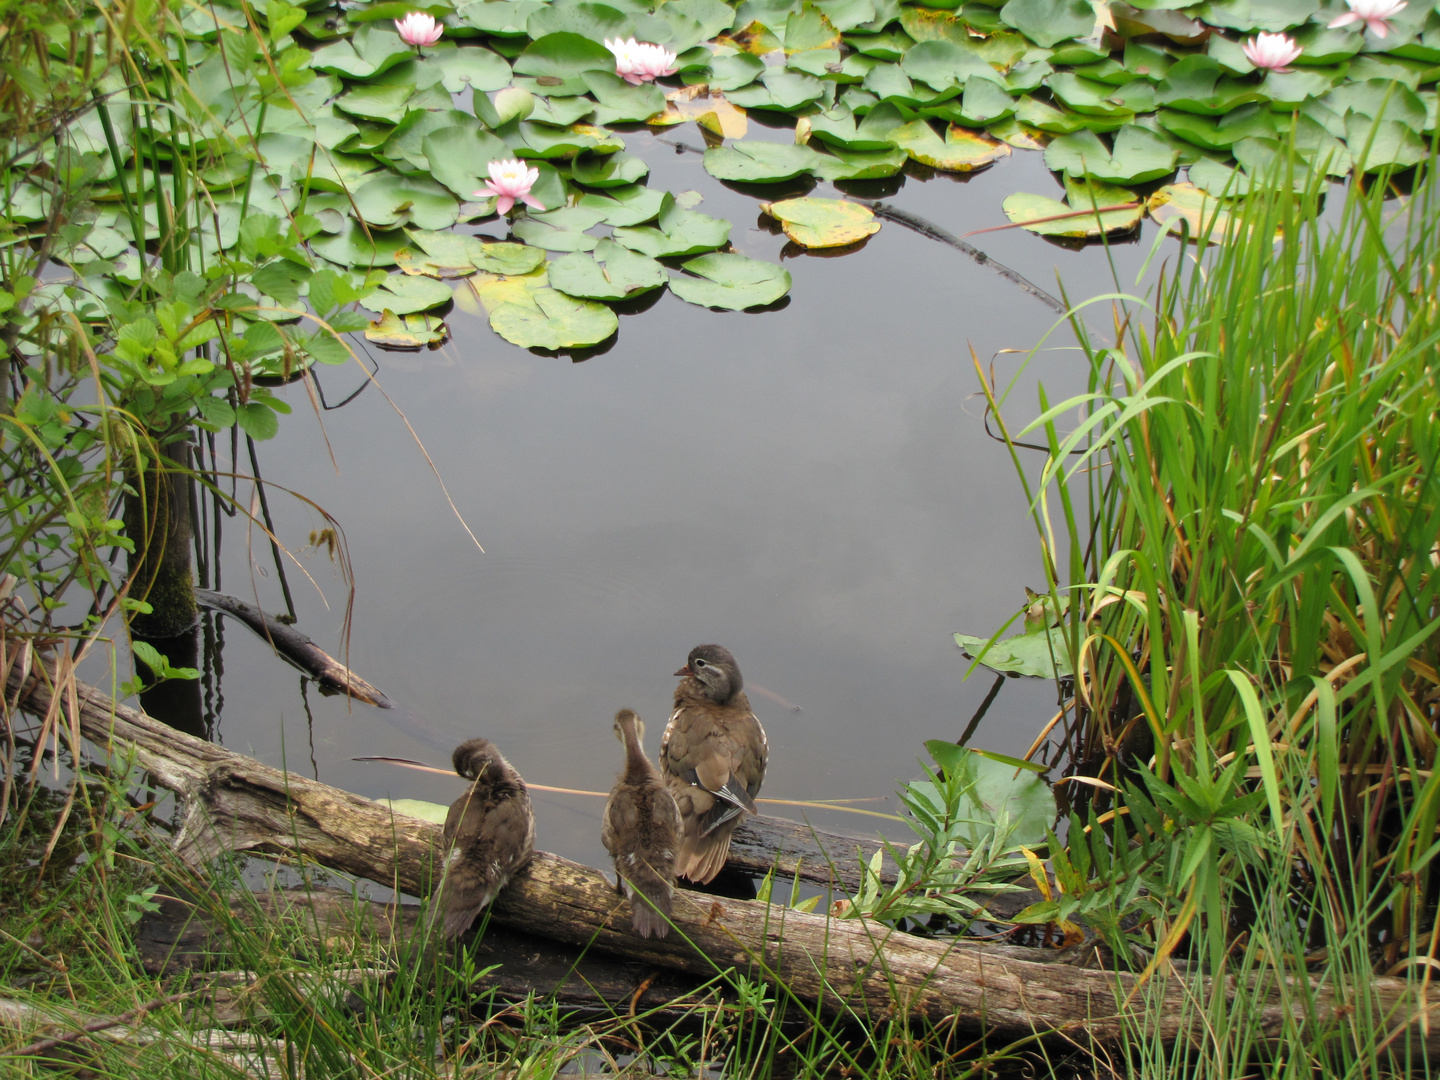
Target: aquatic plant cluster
pixel 373 129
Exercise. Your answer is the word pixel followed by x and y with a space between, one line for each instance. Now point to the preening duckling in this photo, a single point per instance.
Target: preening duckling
pixel 641 831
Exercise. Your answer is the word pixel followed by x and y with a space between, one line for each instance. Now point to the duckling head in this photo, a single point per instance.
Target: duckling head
pixel 629 716
pixel 478 757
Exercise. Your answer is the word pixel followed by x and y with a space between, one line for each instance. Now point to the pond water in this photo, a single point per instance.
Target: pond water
pixel 812 487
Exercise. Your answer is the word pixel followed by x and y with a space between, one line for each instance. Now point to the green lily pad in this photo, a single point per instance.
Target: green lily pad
pixel 809 28
pixel 758 162
pixel 1085 96
pixel 553 320
pixel 732 71
pixel 960 151
pixel 558 230
pixel 1049 22
pixel 676 232
pixel 448 255
pixel 354 245
pixel 389 200
pixel 404 294
pixel 460 157
pixel 619 101
pixel 565 56
pixel 733 282
pixel 1028 210
pixel 631 205
pixel 480 69
pixel 943 64
pixel 1039 654
pixel 594 21
pixel 779 89
pixel 1196 84
pixel 607 170
pixel 417 808
pixel 1251 15
pixel 823 223
pixel 407 331
pixel 374 102
pixel 372 49
pixel 613 272
pixel 838 127
pixel 1138 156
pixel 843 164
pixel 1174 203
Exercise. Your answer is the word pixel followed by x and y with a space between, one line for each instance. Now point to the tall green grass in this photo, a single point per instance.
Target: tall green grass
pixel 1246 515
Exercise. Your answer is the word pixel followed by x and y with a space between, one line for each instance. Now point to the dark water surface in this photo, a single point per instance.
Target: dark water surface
pixel 811 487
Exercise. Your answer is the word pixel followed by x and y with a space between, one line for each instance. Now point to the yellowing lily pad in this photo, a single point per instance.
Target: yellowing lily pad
pixel 407 332
pixel 823 223
pixel 711 110
pixel 1175 203
pixel 1077 217
pixel 961 150
pixel 496 289
pixel 552 320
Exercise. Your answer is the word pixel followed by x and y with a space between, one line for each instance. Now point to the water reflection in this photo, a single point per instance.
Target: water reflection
pixel 812 486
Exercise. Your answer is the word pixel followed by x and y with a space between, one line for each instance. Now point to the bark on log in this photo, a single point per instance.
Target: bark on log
pixel 333 676
pixel 851 966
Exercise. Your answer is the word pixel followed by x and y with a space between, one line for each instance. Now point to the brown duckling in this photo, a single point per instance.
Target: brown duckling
pixel 713 757
pixel 489 834
pixel 641 831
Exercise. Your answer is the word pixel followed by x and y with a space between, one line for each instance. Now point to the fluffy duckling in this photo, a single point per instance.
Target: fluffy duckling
pixel 713 758
pixel 489 834
pixel 641 831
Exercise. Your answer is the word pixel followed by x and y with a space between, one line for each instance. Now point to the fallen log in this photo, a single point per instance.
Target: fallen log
pixel 848 966
pixel 290 644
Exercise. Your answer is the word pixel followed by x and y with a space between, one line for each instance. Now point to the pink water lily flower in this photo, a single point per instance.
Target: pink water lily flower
pixel 1271 52
pixel 1375 14
pixel 510 181
pixel 418 29
pixel 639 61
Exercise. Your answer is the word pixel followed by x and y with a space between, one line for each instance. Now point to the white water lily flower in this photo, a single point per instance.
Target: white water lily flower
pixel 510 181
pixel 418 29
pixel 1271 52
pixel 639 61
pixel 1375 14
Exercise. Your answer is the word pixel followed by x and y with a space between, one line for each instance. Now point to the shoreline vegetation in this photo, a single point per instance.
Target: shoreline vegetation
pixel 1238 523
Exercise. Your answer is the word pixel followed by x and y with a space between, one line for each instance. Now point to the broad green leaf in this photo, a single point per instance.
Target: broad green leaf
pixel 630 205
pixel 1026 210
pixel 613 272
pixel 1196 84
pixel 383 103
pixel 564 56
pixel 416 808
pixel 1251 15
pixel 554 321
pixel 619 101
pixel 356 246
pixel 779 88
pixel 843 164
pixel 733 282
pixel 732 71
pixel 758 162
pixel 389 200
pixel 823 223
pixel 1049 22
pixel 480 69
pixel 960 151
pixel 677 232
pixel 590 20
pixel 808 28
pixel 1024 654
pixel 407 331
pixel 607 170
pixel 405 294
pixel 372 49
pixel 1174 203
pixel 1138 156
pixel 558 230
pixel 460 157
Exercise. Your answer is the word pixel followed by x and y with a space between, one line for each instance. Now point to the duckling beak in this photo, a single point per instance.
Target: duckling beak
pixel 685 671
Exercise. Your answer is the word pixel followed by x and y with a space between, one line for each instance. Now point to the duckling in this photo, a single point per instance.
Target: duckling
pixel 641 831
pixel 713 757
pixel 489 834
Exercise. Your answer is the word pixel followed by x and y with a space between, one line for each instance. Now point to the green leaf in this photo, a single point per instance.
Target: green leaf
pixel 621 102
pixel 372 49
pixel 448 254
pixel 405 294
pixel 1023 654
pixel 480 69
pixel 823 223
pixel 355 246
pixel 612 273
pixel 755 162
pixel 390 200
pixel 780 89
pixel 1023 209
pixel 677 232
pixel 733 282
pixel 593 21
pixel 565 56
pixel 257 420
pixel 376 102
pixel 554 321
pixel 607 170
pixel 558 230
pixel 1138 156
pixel 1195 84
pixel 630 205
pixel 1049 22
pixel 407 331
pixel 960 151
pixel 460 157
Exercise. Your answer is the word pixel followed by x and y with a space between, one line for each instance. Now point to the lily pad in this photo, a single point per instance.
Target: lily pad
pixel 448 255
pixel 389 200
pixel 1174 203
pixel 404 294
pixel 1039 654
pixel 354 245
pixel 823 223
pixel 460 156
pixel 407 332
pixel 1075 218
pixel 607 170
pixel 733 282
pixel 1049 22
pixel 553 320
pixel 676 232
pixel 558 230
pixel 1138 156
pixel 613 272
pixel 758 162
pixel 630 205
pixel 960 151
